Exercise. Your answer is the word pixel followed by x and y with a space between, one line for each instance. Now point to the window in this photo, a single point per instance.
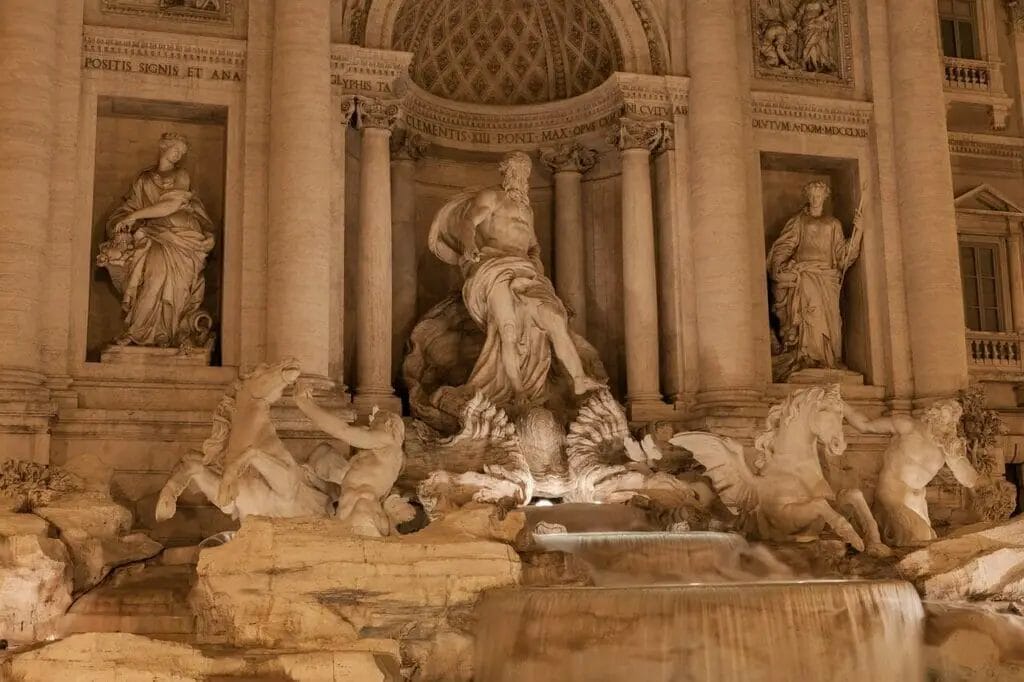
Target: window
pixel 981 277
pixel 958 25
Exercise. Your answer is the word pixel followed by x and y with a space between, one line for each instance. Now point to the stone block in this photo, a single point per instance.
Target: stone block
pixel 308 584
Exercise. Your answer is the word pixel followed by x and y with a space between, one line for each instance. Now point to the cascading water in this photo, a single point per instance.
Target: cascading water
pixel 663 611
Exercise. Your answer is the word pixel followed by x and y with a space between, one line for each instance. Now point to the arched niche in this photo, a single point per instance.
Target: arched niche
pixel 641 39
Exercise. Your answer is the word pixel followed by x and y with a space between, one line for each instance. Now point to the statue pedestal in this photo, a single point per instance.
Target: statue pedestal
pixel 145 355
pixel 820 376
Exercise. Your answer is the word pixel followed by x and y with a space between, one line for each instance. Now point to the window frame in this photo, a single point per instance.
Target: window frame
pixel 1000 249
pixel 976 22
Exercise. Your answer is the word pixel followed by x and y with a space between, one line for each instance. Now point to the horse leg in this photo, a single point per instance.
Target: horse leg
pixel 818 510
pixel 181 475
pixel 852 501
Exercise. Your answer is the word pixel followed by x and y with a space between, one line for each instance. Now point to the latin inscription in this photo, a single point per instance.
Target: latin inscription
pixel 809 128
pixel 162 69
pixel 519 137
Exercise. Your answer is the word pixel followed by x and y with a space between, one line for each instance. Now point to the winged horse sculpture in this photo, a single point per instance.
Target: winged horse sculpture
pixel 784 495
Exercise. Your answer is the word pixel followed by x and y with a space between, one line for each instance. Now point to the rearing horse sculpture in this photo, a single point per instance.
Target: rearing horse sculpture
pixel 785 495
pixel 244 468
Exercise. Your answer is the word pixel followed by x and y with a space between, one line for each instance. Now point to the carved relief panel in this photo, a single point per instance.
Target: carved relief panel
pixel 803 40
pixel 184 10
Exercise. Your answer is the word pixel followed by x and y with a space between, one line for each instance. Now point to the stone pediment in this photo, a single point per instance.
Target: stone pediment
pixel 987 199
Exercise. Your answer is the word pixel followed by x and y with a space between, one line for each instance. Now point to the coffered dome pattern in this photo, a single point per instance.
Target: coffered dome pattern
pixel 507 51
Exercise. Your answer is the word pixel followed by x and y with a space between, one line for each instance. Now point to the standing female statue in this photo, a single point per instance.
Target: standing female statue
pixel 159 239
pixel 807 264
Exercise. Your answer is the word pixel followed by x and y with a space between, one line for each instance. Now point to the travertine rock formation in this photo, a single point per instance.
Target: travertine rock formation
pixel 35 577
pixel 310 584
pixel 101 657
pixel 95 530
pixel 973 642
pixel 978 562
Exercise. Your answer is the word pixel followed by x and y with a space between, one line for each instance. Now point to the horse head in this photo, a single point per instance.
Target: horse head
pixel 268 382
pixel 806 417
pixel 827 420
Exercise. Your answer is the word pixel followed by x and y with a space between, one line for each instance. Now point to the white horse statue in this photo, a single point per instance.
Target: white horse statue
pixel 785 495
pixel 244 468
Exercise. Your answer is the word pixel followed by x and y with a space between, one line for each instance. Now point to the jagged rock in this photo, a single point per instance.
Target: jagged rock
pixel 26 485
pixel 973 642
pixel 96 557
pixel 100 657
pixel 476 522
pixel 308 584
pixel 94 528
pixel 978 562
pixel 22 524
pixel 35 585
pixel 92 513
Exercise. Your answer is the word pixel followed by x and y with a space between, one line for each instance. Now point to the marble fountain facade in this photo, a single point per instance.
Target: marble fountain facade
pixel 583 340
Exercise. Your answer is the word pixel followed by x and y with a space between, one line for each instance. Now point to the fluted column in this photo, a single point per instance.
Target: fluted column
pixel 375 119
pixel 299 201
pixel 927 218
pixel 568 163
pixel 28 53
pixel 636 140
pixel 406 150
pixel 718 188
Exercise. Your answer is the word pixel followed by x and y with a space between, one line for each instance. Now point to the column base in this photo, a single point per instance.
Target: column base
pixel 650 407
pixel 729 398
pixel 365 400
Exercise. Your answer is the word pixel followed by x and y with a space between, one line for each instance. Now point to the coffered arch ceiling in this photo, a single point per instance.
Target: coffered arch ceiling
pixel 508 52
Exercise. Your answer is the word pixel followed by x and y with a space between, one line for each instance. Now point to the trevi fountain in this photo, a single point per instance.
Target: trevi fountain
pixel 494 340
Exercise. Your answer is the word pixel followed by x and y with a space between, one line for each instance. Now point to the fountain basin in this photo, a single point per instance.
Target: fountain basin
pixel 655 558
pixel 738 632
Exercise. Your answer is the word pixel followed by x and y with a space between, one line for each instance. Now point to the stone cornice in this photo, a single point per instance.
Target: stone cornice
pixel 500 128
pixel 130 52
pixel 363 71
pixel 987 146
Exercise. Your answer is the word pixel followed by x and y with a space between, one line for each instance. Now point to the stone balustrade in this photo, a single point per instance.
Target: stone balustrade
pixel 988 351
pixel 970 74
pixel 977 81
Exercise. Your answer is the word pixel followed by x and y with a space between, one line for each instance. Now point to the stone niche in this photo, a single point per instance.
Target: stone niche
pixel 128 134
pixel 783 177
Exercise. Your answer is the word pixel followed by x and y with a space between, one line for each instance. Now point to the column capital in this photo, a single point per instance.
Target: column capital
pixel 572 158
pixel 407 146
pixel 1015 16
pixel 376 113
pixel 348 109
pixel 637 134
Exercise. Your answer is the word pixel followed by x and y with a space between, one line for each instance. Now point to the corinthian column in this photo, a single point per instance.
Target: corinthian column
pixel 636 140
pixel 927 218
pixel 718 188
pixel 568 163
pixel 406 150
pixel 299 201
pixel 28 53
pixel 373 271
